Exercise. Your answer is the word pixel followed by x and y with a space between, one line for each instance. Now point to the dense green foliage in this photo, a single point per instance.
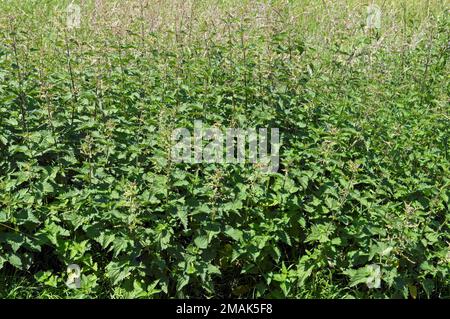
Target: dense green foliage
pixel 86 117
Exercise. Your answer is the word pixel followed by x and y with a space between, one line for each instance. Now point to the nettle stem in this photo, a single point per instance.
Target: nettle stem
pixel 98 92
pixel 72 78
pixel 22 95
pixel 44 87
pixel 142 27
pixel 244 57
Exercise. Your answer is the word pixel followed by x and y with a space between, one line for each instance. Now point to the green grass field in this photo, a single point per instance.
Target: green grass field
pixel 359 207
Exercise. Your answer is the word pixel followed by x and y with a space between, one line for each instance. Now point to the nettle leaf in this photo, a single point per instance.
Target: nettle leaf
pixel 26 216
pixel 428 286
pixel 332 203
pixel 3 217
pixel 201 241
pixel 3 140
pixel 11 121
pixel 234 233
pixel 15 240
pixel 121 244
pixel 105 239
pixel 432 237
pixel 47 278
pixel 53 232
pixel 117 271
pixel 320 233
pixel 2 261
pixel 213 270
pixel 182 282
pixel 234 206
pixel 15 261
pixel 183 216
pixel 303 271
pixel 47 188
pixel 164 235
pixel 381 249
pixel 284 237
pixel 77 219
pixel 369 275
pixel 289 186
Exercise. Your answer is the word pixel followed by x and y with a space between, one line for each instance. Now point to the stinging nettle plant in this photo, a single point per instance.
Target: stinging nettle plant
pixel 331 182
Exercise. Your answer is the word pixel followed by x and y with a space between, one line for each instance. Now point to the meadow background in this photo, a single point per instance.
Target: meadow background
pixel 358 209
